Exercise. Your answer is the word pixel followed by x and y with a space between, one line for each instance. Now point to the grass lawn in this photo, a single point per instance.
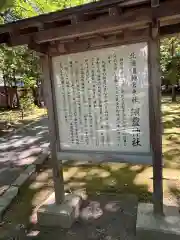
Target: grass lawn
pixel 14 119
pixel 122 178
pixel 108 178
pixel 171 133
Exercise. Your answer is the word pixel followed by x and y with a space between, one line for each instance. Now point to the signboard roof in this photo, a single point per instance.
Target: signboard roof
pixel 102 17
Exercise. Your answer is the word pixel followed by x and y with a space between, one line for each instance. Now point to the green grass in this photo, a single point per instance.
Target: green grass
pixel 111 178
pixel 126 178
pixel 13 118
pixel 171 133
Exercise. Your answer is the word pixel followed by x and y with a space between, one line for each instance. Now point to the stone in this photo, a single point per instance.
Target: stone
pixel 42 157
pixel 2 210
pixel 4 202
pixel 30 169
pixel 11 193
pixel 117 222
pixel 6 199
pixel 3 189
pixel 21 179
pixel 63 215
pixel 9 175
pixel 150 226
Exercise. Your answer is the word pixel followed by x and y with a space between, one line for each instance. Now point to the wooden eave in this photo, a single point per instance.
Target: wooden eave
pixel 100 21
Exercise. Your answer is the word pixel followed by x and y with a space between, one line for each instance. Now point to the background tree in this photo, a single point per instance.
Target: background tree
pixel 20 64
pixel 19 67
pixel 170 63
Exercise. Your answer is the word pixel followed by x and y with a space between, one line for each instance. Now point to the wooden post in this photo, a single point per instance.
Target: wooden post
pixel 49 95
pixel 155 116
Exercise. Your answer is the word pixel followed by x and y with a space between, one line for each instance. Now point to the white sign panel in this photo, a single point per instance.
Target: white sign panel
pixel 102 99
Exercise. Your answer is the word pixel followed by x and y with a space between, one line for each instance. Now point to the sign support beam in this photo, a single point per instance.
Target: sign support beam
pixel 46 61
pixel 155 116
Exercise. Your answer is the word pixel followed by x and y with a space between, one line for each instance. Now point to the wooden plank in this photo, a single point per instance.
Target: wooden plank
pixel 130 19
pixel 35 21
pixel 114 11
pixel 133 3
pixel 94 156
pixel 170 30
pixel 166 11
pixel 65 14
pixel 21 40
pixel 88 48
pixel 48 88
pixel 82 29
pixel 40 48
pixel 98 26
pixel 155 117
pixel 126 37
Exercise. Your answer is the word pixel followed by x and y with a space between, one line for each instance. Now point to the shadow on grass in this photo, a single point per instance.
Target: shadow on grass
pixel 13 119
pixel 174 122
pixel 175 191
pixel 21 211
pixel 109 179
pixel 97 180
pixel 171 135
pixel 106 186
pixel 10 129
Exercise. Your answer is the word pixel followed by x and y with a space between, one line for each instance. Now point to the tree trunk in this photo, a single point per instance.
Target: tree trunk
pixel 173 93
pixel 6 91
pixel 173 86
pixel 16 104
pixel 39 95
pixel 22 114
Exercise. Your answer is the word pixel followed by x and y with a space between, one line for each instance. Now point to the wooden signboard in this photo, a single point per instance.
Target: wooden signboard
pixel 102 99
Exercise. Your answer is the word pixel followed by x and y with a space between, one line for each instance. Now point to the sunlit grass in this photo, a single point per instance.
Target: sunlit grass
pixel 110 178
pixel 171 133
pixel 119 178
pixel 13 118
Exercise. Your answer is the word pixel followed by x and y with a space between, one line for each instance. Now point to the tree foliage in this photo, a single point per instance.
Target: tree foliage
pixel 20 62
pixel 170 62
pixel 28 8
pixel 170 56
pixel 5 4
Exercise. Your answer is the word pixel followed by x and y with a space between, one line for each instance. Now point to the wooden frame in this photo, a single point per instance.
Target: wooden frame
pixel 53 127
pixel 155 115
pixel 92 26
pixel 110 156
pixel 129 37
pixel 154 157
pixel 106 156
